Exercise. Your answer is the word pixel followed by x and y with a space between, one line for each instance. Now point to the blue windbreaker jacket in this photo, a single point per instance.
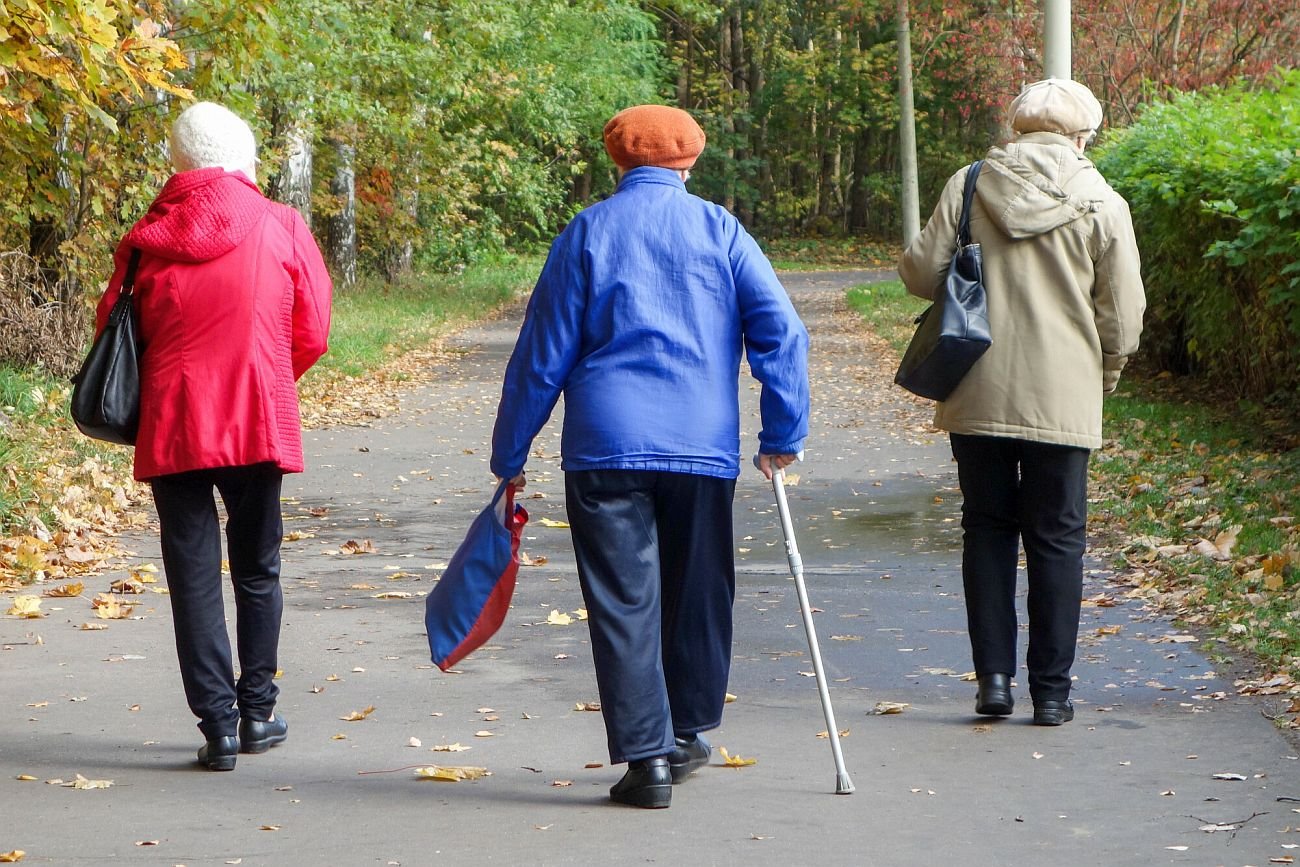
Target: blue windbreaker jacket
pixel 639 317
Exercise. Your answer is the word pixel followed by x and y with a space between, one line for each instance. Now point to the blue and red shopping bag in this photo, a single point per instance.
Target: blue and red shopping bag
pixel 469 603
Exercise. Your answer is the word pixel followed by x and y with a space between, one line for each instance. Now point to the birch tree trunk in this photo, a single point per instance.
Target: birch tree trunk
pixel 341 229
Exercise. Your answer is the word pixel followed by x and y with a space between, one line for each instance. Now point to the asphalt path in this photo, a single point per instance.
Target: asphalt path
pixel 1163 764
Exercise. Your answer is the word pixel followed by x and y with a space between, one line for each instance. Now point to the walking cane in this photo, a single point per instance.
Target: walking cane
pixel 843 785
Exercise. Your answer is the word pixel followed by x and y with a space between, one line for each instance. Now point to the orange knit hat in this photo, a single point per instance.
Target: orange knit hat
pixel 653 135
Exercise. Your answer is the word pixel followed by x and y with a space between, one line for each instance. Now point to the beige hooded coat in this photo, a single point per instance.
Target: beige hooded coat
pixel 1064 286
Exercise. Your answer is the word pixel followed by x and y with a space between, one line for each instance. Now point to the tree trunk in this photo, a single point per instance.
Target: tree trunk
pixel 341 231
pixel 296 177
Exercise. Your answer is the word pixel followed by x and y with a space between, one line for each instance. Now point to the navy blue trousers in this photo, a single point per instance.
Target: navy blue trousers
pixel 191 550
pixel 1016 491
pixel 657 568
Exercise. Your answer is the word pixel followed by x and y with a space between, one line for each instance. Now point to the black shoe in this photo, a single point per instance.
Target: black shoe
pixel 1053 713
pixel 688 755
pixel 648 783
pixel 219 754
pixel 994 696
pixel 258 736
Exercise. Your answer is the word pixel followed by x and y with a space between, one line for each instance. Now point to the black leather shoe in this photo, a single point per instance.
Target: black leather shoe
pixel 648 783
pixel 994 696
pixel 219 754
pixel 1053 713
pixel 688 755
pixel 258 736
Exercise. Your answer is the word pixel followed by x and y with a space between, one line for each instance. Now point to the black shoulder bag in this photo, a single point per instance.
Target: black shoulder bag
pixel 106 391
pixel 953 332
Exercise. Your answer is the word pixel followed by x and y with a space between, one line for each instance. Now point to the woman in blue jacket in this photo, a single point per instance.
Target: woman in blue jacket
pixel 639 318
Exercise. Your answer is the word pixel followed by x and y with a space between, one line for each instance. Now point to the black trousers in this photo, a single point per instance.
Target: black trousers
pixel 191 549
pixel 1017 491
pixel 657 567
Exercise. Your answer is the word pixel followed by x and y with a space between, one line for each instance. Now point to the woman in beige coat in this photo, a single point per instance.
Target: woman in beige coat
pixel 1065 303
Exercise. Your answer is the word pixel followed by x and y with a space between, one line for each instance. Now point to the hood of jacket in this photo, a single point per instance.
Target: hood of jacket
pixel 1036 184
pixel 199 215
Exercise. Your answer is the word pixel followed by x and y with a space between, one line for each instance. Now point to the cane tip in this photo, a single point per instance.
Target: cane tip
pixel 843 785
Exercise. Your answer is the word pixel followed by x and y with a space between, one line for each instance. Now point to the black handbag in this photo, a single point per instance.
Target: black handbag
pixel 953 332
pixel 106 391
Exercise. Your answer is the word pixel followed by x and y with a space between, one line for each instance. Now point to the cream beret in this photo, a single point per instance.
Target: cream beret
pixel 207 135
pixel 1056 105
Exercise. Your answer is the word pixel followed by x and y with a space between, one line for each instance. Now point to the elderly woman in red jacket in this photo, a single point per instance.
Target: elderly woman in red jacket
pixel 233 304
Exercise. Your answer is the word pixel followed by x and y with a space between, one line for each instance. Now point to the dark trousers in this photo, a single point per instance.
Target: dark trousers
pixel 1017 491
pixel 657 568
pixel 191 550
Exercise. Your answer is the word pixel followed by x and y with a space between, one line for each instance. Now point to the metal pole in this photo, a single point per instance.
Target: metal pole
pixel 843 785
pixel 1056 38
pixel 907 130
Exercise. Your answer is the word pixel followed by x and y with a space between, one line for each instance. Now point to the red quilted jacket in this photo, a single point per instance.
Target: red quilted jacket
pixel 233 304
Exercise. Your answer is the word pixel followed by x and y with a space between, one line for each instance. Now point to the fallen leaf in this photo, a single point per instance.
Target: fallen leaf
pixel 269 828
pixel 559 525
pixel 365 546
pixel 82 783
pixel 561 784
pixel 450 774
pixel 414 742
pixel 92 627
pixel 581 614
pixel 558 618
pixel 1227 776
pixel 12 857
pixel 146 842
pixel 25 778
pixel 889 707
pixel 846 638
pixel 449 748
pixel 594 765
pixel 844 733
pixel 357 715
pixel 728 698
pixel 26 606
pixel 74 589
pixel 126 585
pixel 730 761
pixel 586 705
pixel 393 594
pixel 484 734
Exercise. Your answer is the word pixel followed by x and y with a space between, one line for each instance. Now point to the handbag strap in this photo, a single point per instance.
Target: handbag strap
pixel 963 225
pixel 128 282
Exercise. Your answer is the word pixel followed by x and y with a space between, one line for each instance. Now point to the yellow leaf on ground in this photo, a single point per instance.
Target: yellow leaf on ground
pixel 450 748
pixel 730 761
pixel 890 707
pixel 73 589
pixel 451 774
pixel 547 522
pixel 357 715
pixel 728 698
pixel 25 778
pixel 12 857
pixel 558 618
pixel 587 705
pixel 581 614
pixel 26 606
pixel 844 733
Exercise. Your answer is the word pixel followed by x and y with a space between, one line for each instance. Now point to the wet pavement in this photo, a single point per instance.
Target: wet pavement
pixel 1138 778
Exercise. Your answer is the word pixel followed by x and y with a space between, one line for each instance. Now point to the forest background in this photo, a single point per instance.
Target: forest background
pixel 428 142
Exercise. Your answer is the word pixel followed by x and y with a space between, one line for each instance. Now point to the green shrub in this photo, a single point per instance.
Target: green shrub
pixel 1213 180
